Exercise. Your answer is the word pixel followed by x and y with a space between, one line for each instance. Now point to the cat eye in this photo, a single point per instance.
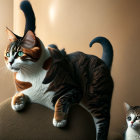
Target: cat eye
pixel 8 54
pixel 129 118
pixel 20 53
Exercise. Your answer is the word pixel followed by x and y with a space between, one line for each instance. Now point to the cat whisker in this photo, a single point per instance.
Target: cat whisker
pixel 25 69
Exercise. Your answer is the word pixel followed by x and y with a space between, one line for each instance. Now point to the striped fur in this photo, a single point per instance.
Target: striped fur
pixel 89 82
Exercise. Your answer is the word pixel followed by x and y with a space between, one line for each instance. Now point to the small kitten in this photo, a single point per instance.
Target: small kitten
pixel 133 122
pixel 50 77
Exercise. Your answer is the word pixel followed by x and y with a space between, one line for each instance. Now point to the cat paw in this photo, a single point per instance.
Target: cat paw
pixel 59 123
pixel 18 103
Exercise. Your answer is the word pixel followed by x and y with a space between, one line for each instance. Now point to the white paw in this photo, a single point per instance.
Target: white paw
pixel 18 106
pixel 59 123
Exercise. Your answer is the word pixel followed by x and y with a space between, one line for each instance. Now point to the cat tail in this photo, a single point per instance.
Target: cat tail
pixel 107 56
pixel 26 7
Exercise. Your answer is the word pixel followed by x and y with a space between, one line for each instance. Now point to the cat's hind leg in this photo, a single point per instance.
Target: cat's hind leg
pixel 19 101
pixel 102 126
pixel 100 111
pixel 62 107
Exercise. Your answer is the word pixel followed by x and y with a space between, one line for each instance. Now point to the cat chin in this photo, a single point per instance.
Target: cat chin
pixel 135 127
pixel 14 69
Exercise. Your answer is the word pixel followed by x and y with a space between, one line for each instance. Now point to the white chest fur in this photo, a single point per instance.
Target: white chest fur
pixel 37 93
pixel 35 74
pixel 132 134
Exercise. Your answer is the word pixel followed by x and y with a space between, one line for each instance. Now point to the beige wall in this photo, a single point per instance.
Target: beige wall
pixel 6 19
pixel 72 24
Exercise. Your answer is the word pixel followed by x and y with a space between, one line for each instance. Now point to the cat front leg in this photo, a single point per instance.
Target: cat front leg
pixel 62 107
pixel 19 101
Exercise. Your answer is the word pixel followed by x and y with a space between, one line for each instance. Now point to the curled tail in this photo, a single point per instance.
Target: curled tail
pixel 107 56
pixel 29 15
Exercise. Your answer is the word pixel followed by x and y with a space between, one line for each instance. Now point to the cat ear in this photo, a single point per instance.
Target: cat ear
pixel 11 35
pixel 127 106
pixel 29 40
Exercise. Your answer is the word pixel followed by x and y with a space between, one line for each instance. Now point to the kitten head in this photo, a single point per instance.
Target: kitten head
pixel 21 51
pixel 132 116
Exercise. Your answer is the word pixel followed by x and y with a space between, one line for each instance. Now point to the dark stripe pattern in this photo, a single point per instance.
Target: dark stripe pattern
pixel 79 77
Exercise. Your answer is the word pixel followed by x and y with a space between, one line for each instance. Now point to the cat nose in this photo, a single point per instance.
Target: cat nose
pixel 11 62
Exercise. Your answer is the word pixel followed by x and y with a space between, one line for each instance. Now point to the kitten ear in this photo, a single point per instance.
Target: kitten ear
pixel 11 35
pixel 127 106
pixel 29 40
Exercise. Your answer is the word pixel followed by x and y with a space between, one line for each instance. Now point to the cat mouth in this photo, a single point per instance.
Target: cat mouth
pixel 15 69
pixel 133 126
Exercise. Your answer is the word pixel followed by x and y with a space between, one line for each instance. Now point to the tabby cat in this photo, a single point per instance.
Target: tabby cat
pixel 50 77
pixel 133 122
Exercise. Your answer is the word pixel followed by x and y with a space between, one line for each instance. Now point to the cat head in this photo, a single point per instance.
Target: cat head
pixel 21 51
pixel 132 116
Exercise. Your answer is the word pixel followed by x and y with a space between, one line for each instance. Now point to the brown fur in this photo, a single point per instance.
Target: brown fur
pixel 33 53
pixel 21 85
pixel 80 77
pixel 29 53
pixel 47 63
pixel 59 115
pixel 16 98
pixel 60 67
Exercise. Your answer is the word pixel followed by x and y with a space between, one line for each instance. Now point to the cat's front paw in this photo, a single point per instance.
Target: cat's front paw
pixel 61 123
pixel 18 102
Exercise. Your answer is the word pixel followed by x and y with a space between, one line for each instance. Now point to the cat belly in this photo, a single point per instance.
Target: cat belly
pixel 37 92
pixel 40 96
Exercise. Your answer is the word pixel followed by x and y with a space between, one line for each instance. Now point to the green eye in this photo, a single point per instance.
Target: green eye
pixel 8 54
pixel 20 53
